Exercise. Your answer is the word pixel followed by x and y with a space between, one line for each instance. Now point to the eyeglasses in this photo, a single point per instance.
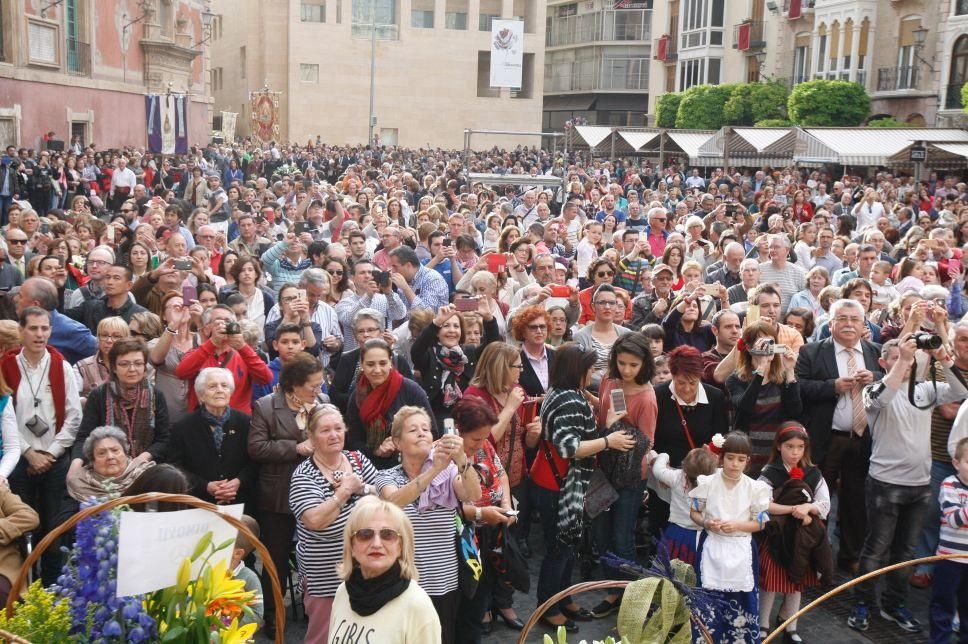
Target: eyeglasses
pixel 606 303
pixel 537 327
pixel 517 366
pixel 605 274
pixel 661 221
pixel 97 262
pixel 137 364
pixel 366 535
pixel 112 338
pixel 17 241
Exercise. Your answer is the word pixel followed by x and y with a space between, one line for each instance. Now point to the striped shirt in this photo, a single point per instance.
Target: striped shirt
pixel 789 281
pixel 433 532
pixel 319 551
pixel 953 499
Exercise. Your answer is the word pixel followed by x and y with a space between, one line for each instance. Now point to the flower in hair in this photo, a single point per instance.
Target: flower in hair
pixel 796 473
pixel 716 444
pixel 740 345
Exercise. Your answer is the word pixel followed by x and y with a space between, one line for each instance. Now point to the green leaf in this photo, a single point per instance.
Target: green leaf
pixel 665 109
pixel 562 635
pixel 548 640
pixel 174 633
pixel 225 544
pixel 823 103
pixel 202 545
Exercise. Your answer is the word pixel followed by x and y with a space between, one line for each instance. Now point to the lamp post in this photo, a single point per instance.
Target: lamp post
pixel 372 115
pixel 920 34
pixel 760 57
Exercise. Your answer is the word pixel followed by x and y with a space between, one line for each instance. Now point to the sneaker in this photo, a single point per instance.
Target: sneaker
pixel 920 579
pixel 859 618
pixel 903 618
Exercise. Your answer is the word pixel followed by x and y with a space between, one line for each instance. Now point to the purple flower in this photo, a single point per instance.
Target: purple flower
pixel 112 629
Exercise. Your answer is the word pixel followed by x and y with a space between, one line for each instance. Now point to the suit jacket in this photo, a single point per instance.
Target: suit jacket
pixel 816 372
pixel 529 379
pixel 192 448
pixel 273 436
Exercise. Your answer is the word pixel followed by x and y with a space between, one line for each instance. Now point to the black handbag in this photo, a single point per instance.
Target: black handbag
pixel 468 556
pixel 509 562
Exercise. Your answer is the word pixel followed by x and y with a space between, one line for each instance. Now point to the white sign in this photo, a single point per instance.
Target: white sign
pixel 507 53
pixel 152 546
pixel 228 125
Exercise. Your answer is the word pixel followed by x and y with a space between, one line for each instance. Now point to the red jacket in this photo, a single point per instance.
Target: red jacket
pixel 246 367
pixel 11 375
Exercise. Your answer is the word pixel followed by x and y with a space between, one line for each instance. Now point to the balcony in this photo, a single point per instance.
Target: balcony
pixel 613 74
pixel 952 97
pixel 665 49
pixel 600 26
pixel 895 79
pixel 78 57
pixel 794 9
pixel 749 35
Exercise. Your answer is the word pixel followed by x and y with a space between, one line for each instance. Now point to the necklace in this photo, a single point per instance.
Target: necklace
pixel 730 478
pixel 319 462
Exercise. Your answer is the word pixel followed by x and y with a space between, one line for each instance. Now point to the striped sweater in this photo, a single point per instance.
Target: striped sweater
pixel 953 498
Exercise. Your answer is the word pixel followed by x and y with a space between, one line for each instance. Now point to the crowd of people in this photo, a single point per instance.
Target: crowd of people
pixel 366 348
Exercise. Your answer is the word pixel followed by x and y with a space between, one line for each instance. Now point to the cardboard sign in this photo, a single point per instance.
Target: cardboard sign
pixel 152 546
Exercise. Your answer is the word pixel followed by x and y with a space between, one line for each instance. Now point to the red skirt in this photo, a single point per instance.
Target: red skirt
pixel 773 576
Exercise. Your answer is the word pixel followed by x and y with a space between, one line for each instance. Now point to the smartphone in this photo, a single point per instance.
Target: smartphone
pixel 559 290
pixel 618 401
pixel 448 242
pixel 449 427
pixel 302 227
pixel 189 293
pixel 496 262
pixel 382 278
pixel 110 233
pixel 45 228
pixel 303 296
pixel 183 264
pixel 466 303
pixel 752 314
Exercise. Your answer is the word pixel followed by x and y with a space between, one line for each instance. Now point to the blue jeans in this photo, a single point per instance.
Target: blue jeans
pixel 894 517
pixel 559 560
pixel 949 593
pixel 928 544
pixel 614 529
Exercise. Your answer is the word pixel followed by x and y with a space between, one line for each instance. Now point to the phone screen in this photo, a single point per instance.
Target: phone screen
pixel 618 400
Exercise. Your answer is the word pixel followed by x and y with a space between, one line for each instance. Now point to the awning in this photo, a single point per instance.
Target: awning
pixel 623 103
pixel 638 139
pixel 749 147
pixel 956 149
pixel 690 142
pixel 938 156
pixel 574 103
pixel 768 140
pixel 867 146
pixel 593 134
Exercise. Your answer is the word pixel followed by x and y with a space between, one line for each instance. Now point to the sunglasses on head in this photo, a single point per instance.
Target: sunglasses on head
pixel 366 535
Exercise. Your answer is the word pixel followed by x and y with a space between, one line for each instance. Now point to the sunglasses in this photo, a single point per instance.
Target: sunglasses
pixel 387 535
pixel 605 274
pixel 16 241
pixel 334 271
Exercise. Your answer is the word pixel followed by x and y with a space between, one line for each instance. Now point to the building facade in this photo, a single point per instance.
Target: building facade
pixel 431 62
pixel 597 58
pixel 82 67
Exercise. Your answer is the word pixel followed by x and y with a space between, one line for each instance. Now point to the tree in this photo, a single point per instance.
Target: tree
pixel 755 102
pixel 887 122
pixel 822 103
pixel 964 97
pixel 702 106
pixel 666 108
pixel 774 123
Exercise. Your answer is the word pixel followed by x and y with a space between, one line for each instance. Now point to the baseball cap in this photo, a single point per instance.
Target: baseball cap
pixel 658 268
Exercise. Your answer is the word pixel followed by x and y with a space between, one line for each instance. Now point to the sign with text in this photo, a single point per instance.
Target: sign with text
pixel 918 153
pixel 507 53
pixel 152 546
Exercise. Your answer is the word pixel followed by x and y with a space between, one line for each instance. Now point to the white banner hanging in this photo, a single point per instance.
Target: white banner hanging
pixel 507 53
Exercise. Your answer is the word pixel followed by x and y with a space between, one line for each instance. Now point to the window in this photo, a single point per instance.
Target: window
pixel 308 73
pixel 961 8
pixel 527 11
pixel 421 19
pixel 713 66
pixel 312 12
pixel 690 73
pixel 822 54
pixel 958 75
pixel 527 78
pixel 485 20
pixel 241 62
pixel 484 89
pixel 801 64
pixel 490 11
pixel 382 13
pixel 455 14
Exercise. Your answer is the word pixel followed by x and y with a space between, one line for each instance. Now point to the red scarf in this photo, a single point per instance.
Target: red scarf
pixel 374 403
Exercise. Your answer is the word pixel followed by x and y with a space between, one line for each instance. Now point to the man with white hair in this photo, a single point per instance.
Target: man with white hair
pixel 656 233
pixel 97 263
pixel 729 273
pixel 528 207
pixel 788 278
pixel 749 273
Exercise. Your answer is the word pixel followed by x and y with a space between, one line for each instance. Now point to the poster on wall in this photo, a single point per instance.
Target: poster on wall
pixel 167 123
pixel 264 115
pixel 507 52
pixel 228 125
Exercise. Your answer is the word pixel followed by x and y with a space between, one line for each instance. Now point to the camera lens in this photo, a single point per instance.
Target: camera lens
pixel 927 341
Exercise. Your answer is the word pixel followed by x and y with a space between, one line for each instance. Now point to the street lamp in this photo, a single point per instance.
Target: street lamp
pixel 920 34
pixel 760 57
pixel 208 29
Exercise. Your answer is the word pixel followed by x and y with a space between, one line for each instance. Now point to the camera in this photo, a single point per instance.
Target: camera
pixel 382 278
pixel 233 328
pixel 927 341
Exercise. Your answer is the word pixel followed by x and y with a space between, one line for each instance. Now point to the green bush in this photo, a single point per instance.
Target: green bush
pixel 666 108
pixel 822 103
pixel 702 107
pixel 774 123
pixel 887 122
pixel 964 97
pixel 754 102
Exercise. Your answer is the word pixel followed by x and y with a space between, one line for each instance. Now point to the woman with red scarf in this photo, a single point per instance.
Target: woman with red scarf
pixel 379 392
pixel 802 209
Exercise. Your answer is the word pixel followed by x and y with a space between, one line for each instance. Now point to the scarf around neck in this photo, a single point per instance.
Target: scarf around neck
pixel 133 410
pixel 453 360
pixel 367 596
pixel 374 403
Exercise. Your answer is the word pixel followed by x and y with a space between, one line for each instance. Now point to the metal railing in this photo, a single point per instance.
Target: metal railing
pixel 605 74
pixel 952 96
pixel 383 32
pixel 600 26
pixel 757 38
pixel 78 57
pixel 672 51
pixel 892 79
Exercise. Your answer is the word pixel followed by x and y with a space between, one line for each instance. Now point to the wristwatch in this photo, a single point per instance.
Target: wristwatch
pixel 477 514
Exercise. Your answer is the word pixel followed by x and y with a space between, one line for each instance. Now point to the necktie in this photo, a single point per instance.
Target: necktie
pixel 20 267
pixel 858 415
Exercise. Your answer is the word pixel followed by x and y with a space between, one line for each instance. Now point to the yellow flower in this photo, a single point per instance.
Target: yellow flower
pixel 225 590
pixel 235 634
pixel 184 575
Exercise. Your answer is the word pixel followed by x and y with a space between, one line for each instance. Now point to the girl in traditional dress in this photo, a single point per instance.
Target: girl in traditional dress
pixel 682 534
pixel 730 507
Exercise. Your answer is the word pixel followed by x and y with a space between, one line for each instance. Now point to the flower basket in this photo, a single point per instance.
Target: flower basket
pixel 181 499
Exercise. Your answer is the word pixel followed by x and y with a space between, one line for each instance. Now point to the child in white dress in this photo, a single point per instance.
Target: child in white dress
pixel 730 507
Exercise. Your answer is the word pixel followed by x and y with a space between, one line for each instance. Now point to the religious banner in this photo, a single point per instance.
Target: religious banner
pixel 507 53
pixel 264 115
pixel 167 123
pixel 228 125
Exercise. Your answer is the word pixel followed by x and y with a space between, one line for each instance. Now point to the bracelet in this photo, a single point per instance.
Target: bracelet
pixel 467 465
pixel 171 331
pixel 477 513
pixel 606 441
pixel 339 502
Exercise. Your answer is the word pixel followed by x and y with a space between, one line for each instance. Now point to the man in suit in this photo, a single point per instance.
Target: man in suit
pixel 17 255
pixel 832 374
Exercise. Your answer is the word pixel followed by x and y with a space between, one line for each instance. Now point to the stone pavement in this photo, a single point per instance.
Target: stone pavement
pixel 826 624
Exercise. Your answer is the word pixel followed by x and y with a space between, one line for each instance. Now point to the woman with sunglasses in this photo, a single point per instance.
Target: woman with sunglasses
pixel 601 334
pixel 324 490
pixel 601 271
pixel 379 596
pixel 339 280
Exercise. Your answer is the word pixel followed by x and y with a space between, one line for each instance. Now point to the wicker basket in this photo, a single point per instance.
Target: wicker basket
pixel 181 499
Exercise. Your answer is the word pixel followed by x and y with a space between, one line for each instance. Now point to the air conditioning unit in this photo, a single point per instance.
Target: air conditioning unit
pixel 772 6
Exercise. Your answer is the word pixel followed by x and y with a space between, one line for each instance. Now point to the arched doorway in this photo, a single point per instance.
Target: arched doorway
pixel 958 74
pixel 916 120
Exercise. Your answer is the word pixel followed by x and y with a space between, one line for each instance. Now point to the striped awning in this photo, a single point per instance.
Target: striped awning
pixel 866 146
pixel 593 134
pixel 690 142
pixel 638 139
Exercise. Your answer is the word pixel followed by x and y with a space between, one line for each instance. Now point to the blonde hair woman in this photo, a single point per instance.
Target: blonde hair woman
pixel 94 371
pixel 378 597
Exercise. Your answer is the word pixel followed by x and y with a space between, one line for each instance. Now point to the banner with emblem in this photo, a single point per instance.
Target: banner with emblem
pixel 166 118
pixel 264 115
pixel 507 53
pixel 228 125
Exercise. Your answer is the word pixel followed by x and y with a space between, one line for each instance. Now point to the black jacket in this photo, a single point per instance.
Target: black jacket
pixel 703 421
pixel 95 415
pixel 529 379
pixel 816 372
pixel 410 395
pixel 93 310
pixel 192 449
pixel 345 375
pixel 14 177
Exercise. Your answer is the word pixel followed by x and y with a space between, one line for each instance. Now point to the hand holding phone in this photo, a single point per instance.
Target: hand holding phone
pixel 618 401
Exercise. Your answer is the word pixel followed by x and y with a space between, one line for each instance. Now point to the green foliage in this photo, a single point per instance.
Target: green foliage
pixel 702 106
pixel 822 103
pixel 750 103
pixel 887 122
pixel 774 123
pixel 40 618
pixel 666 108
pixel 964 97
pixel 653 610
pixel 561 637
